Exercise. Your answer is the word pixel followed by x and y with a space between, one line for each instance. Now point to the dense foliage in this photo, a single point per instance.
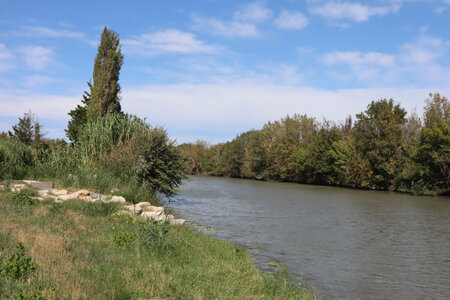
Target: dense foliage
pixel 382 150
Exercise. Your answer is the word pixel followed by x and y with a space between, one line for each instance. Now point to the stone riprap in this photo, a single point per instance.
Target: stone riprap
pixel 144 210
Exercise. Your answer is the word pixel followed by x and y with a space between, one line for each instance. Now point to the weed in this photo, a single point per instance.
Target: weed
pixel 18 265
pixel 123 238
pixel 154 234
pixel 23 199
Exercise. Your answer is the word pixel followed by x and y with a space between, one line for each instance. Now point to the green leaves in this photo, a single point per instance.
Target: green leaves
pixel 18 265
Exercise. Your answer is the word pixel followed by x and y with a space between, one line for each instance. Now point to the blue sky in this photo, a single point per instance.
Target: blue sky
pixel 213 69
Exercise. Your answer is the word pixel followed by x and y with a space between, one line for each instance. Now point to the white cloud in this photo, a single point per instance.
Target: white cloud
pixel 347 11
pixel 424 50
pixel 168 41
pixel 253 12
pixel 359 58
pixel 37 57
pixel 45 32
pixel 216 112
pixel 37 80
pixel 243 24
pixel 5 58
pixel 229 29
pixel 291 20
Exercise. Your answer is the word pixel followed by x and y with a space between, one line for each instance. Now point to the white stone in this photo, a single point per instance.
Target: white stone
pixel 158 209
pixel 68 197
pixel 62 192
pixel 170 217
pixel 143 204
pixel 113 190
pixel 2 187
pixel 152 215
pixel 38 198
pixel 86 198
pixel 118 199
pixel 177 221
pixel 17 187
pixel 83 193
pixel 133 209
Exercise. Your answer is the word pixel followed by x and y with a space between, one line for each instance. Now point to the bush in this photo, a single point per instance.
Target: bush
pixel 16 159
pixel 18 265
pixel 23 198
pixel 155 235
pixel 123 238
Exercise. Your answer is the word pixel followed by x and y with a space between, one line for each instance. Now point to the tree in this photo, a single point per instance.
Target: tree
pixel 433 148
pixel 105 89
pixel 79 118
pixel 28 130
pixel 378 136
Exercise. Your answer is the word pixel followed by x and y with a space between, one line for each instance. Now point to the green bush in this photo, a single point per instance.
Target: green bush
pixel 16 159
pixel 18 265
pixel 23 198
pixel 155 234
pixel 123 238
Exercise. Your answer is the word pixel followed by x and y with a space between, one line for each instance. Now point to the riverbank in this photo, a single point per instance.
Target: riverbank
pixel 78 249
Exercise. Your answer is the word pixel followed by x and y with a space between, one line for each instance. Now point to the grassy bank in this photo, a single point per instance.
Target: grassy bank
pixel 83 250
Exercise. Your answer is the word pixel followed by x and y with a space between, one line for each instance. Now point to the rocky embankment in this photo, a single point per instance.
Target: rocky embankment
pixel 46 191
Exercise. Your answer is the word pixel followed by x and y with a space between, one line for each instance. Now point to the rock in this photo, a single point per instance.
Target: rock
pixel 38 198
pixel 62 192
pixel 176 221
pixel 42 192
pixel 40 185
pixel 68 197
pixel 170 217
pixel 143 204
pixel 158 209
pixel 152 215
pixel 86 198
pixel 113 190
pixel 83 193
pixel 118 199
pixel 58 201
pixel 2 187
pixel 98 196
pixel 17 187
pixel 133 209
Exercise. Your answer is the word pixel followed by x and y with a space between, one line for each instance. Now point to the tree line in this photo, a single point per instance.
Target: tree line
pixel 382 149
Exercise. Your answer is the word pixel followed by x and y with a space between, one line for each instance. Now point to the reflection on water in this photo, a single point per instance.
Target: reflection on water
pixel 365 244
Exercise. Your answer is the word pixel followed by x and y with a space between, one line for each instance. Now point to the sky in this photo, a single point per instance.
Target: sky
pixel 212 69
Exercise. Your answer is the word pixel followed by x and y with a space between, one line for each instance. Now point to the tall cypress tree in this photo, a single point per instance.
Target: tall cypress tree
pixel 105 89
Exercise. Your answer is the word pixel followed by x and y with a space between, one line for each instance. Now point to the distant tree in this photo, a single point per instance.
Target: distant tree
pixel 105 89
pixel 78 118
pixel 433 148
pixel 378 137
pixel 28 130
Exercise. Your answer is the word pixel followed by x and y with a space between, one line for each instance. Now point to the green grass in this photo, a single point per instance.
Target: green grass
pixel 87 251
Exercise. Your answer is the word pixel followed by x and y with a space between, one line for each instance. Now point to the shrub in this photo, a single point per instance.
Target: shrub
pixel 16 159
pixel 23 198
pixel 155 234
pixel 18 265
pixel 123 238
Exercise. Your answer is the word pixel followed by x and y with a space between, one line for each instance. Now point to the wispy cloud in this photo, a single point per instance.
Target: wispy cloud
pixel 253 12
pixel 45 32
pixel 5 58
pixel 359 58
pixel 339 11
pixel 168 41
pixel 37 57
pixel 291 20
pixel 242 24
pixel 37 80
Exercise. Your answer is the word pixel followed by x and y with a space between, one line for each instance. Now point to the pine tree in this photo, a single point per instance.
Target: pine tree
pixel 28 130
pixel 105 89
pixel 79 118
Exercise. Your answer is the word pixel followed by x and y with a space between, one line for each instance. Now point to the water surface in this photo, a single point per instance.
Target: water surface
pixel 365 244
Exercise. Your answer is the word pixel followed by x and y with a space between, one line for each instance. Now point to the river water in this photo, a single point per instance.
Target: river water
pixel 350 244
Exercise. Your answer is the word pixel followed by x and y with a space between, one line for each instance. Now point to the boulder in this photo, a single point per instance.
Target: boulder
pixel 62 192
pixel 83 193
pixel 176 221
pixel 133 209
pixel 119 199
pixel 2 187
pixel 86 198
pixel 158 209
pixel 17 187
pixel 170 217
pixel 68 197
pixel 143 204
pixel 38 198
pixel 98 196
pixel 113 190
pixel 152 215
pixel 40 185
